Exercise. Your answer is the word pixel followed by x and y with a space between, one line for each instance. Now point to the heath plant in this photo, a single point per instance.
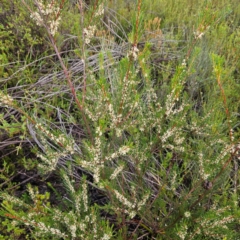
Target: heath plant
pixel 157 155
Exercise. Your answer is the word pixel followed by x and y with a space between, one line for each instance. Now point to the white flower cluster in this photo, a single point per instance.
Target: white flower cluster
pixel 85 196
pixel 203 174
pixel 106 237
pixel 225 151
pixel 70 220
pixel 122 151
pixel 51 156
pixel 168 134
pixel 43 228
pixel 123 200
pixel 93 221
pixel 171 103
pixel 68 183
pixel 178 139
pixel 100 10
pixel 5 100
pixel 143 201
pixel 235 149
pixel 133 53
pixel 116 172
pixel 151 96
pixel 207 225
pixel 198 130
pixel 112 115
pixel 49 12
pixel 89 33
pixel 83 225
pixel 57 215
pixel 66 142
pixel 199 33
pixel 174 180
pixel 46 229
pixel 132 207
pixel 73 229
pixel 187 214
pixel 32 193
pixel 50 160
pixel 182 232
pixel 184 64
pixel 13 200
pixel 97 157
pixel 95 163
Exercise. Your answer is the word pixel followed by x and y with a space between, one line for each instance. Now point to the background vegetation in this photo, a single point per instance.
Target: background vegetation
pixel 119 119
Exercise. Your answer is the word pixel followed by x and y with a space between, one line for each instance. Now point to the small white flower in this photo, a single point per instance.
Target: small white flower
pixel 187 214
pixel 184 64
pixel 106 237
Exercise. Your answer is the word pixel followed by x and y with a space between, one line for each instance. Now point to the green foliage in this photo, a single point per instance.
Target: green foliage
pixel 20 41
pixel 132 130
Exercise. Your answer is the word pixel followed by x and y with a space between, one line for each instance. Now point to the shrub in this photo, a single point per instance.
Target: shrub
pixel 157 153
